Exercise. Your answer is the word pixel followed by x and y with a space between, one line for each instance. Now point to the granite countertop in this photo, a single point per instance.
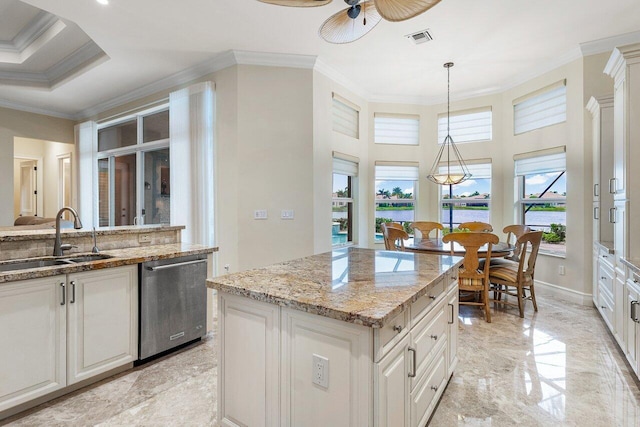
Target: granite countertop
pixel 362 286
pixel 608 246
pixel 13 234
pixel 118 257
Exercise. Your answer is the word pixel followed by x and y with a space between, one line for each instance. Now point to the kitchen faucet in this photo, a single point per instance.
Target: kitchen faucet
pixel 58 247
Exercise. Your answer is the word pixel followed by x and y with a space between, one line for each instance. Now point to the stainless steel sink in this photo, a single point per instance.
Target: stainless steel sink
pixel 85 258
pixel 26 264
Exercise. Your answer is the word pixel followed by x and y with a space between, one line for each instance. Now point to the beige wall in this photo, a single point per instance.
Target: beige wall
pixel 13 124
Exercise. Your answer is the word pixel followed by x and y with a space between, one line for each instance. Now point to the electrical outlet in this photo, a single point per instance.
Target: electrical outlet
pixel 286 214
pixel 561 270
pixel 144 238
pixel 320 371
pixel 260 214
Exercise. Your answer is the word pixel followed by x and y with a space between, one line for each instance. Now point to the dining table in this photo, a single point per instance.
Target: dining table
pixel 437 246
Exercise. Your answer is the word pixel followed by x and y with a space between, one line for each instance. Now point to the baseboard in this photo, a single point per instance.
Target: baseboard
pixel 544 288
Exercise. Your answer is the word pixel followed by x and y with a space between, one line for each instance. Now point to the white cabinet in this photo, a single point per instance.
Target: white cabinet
pixel 102 321
pixel 32 332
pixel 387 377
pixel 632 318
pixel 59 330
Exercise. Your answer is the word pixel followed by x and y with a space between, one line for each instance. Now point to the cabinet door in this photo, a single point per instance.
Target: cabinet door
pixel 102 330
pixel 32 333
pixel 631 342
pixel 451 312
pixel 391 385
pixel 619 217
pixel 620 152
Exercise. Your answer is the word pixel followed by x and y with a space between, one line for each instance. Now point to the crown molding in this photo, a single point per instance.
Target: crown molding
pixel 339 78
pixel 269 59
pixel 596 103
pixel 609 43
pixel 86 57
pixel 28 109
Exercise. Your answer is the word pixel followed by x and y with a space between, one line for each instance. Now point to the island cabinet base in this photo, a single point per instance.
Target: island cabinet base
pixel 284 367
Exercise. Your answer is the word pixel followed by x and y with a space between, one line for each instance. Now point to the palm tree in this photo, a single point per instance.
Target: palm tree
pixel 397 191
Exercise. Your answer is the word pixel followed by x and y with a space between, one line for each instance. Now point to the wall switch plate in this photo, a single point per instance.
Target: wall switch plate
pixel 320 371
pixel 286 214
pixel 144 238
pixel 260 214
pixel 561 270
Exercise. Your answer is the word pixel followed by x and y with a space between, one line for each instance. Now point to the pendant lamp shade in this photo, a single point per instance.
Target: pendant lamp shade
pixel 341 28
pixel 401 10
pixel 449 167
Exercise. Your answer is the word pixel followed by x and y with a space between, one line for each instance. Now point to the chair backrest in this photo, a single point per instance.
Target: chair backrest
pixel 527 263
pixel 513 234
pixel 476 226
pixel 393 238
pixel 472 242
pixel 425 227
pixel 396 225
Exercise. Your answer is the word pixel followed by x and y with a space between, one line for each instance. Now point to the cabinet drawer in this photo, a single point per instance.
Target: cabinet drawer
pixel 605 278
pixel 605 306
pixel 425 397
pixel 425 303
pixel 426 338
pixel 390 334
pixel 605 257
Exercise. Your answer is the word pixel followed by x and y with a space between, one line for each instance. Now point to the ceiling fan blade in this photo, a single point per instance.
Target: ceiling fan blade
pixel 400 10
pixel 297 3
pixel 340 28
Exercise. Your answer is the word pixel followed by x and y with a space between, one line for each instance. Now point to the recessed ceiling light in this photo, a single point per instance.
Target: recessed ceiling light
pixel 104 2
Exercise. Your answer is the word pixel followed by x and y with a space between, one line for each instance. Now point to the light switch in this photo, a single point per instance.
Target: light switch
pixel 286 214
pixel 260 214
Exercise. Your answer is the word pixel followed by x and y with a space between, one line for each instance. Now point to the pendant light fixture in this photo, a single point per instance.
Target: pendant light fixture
pixel 448 157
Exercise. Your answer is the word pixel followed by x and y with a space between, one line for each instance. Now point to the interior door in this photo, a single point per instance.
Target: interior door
pixel 28 188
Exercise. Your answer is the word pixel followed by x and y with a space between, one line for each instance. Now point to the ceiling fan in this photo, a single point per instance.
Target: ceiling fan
pixel 360 17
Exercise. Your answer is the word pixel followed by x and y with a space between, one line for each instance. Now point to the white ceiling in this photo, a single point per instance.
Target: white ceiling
pixel 494 44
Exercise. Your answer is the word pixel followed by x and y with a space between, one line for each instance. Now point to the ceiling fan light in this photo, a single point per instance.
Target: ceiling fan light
pixel 340 28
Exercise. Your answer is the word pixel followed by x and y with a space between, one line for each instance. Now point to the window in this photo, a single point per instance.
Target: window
pixel 400 129
pixel 345 173
pixel 466 126
pixel 471 199
pixel 546 107
pixel 345 117
pixel 133 170
pixel 395 189
pixel 542 189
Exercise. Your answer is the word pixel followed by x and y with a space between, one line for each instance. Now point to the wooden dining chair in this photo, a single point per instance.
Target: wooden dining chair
pixel 513 234
pixel 477 226
pixel 396 225
pixel 426 227
pixel 393 238
pixel 518 275
pixel 470 277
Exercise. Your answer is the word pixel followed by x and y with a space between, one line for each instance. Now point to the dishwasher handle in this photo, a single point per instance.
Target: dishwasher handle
pixel 178 264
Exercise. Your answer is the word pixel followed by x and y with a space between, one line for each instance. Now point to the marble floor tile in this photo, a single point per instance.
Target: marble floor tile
pixel 557 367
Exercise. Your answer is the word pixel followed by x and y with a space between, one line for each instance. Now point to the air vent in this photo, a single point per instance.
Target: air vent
pixel 420 37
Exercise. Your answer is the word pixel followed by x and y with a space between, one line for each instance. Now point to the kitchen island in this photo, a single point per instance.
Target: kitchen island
pixel 353 337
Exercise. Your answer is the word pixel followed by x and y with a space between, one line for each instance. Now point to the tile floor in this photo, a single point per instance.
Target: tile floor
pixel 559 367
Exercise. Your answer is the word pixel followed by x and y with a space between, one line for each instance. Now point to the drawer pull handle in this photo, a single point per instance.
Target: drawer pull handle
pixel 397 328
pixel 434 337
pixel 603 278
pixel 635 280
pixel 412 374
pixel 73 292
pixel 633 315
pixel 432 297
pixel 434 387
pixel 603 307
pixel 612 215
pixel 64 301
pixel 612 188
pixel 451 322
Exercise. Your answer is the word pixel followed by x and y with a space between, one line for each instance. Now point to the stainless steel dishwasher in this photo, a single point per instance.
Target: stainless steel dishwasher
pixel 173 303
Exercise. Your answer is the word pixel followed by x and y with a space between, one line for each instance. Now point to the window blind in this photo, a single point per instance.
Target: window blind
pixel 345 167
pixel 396 173
pixel 477 170
pixel 544 108
pixel 548 163
pixel 396 129
pixel 466 126
pixel 345 118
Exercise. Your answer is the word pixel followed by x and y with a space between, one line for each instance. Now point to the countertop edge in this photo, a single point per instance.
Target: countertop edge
pixel 608 246
pixel 119 258
pixel 359 319
pixel 45 233
pixel 633 264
